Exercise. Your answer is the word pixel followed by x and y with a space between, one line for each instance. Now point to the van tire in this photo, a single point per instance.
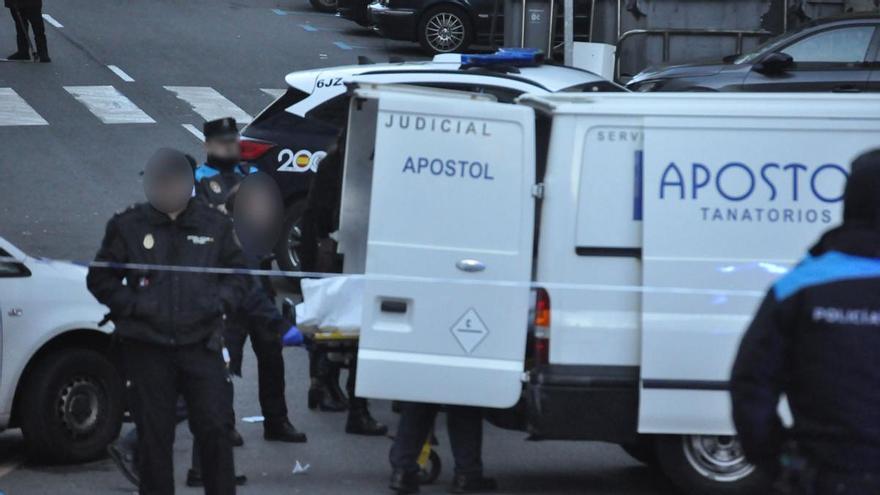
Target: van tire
pixel 72 403
pixel 453 18
pixel 694 475
pixel 642 450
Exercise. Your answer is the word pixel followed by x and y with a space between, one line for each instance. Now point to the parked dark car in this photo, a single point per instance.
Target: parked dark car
pixel 447 26
pixel 354 10
pixel 837 54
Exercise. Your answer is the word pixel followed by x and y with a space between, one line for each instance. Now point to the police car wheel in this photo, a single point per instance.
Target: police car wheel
pixel 324 5
pixel 286 253
pixel 445 29
pixel 71 406
pixel 709 464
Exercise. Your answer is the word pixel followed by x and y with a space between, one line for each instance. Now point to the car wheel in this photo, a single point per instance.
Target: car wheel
pixel 287 252
pixel 709 465
pixel 324 5
pixel 445 29
pixel 72 406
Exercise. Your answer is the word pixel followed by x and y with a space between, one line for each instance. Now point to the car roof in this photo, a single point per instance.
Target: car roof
pixel 550 77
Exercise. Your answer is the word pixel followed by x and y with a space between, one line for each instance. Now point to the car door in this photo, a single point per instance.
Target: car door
pixel 874 58
pixel 12 308
pixel 835 59
pixel 449 246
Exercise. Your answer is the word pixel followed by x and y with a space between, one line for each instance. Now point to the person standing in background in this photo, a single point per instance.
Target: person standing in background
pixel 28 13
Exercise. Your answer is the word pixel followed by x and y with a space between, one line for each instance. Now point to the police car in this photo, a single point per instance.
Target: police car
pixel 58 381
pixel 291 136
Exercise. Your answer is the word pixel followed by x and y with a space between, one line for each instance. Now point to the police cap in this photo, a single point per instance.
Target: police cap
pixel 224 128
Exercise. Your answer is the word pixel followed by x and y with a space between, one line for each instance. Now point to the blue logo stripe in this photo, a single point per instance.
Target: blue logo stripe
pixel 833 266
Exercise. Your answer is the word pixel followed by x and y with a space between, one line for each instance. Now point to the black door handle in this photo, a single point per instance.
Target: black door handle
pixel 393 307
pixel 846 89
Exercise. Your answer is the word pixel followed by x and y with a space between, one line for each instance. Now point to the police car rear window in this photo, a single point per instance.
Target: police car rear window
pixel 290 97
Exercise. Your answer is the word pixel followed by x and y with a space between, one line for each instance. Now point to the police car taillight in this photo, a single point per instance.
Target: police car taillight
pixel 252 150
pixel 541 340
pixel 510 57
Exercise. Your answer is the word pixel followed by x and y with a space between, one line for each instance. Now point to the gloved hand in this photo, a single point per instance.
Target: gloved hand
pixel 293 337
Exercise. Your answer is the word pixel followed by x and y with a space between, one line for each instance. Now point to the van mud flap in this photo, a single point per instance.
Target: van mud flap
pixel 583 403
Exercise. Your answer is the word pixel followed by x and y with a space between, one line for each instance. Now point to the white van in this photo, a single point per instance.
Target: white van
pixel 633 234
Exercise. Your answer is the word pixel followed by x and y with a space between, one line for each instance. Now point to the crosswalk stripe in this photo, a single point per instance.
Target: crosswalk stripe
pixel 274 93
pixel 15 111
pixel 209 103
pixel 109 105
pixel 194 131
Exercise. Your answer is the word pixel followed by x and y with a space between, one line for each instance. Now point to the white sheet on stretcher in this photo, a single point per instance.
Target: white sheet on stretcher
pixel 331 304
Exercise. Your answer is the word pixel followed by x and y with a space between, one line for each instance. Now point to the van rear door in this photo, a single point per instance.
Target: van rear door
pixel 449 243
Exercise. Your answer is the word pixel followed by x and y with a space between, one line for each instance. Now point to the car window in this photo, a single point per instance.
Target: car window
pixel 333 111
pixel 11 268
pixel 841 46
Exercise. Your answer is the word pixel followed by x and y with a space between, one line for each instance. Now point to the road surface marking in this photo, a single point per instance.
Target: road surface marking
pixel 343 45
pixel 210 104
pixel 279 12
pixel 15 111
pixel 194 131
pixel 109 105
pixel 51 20
pixel 309 28
pixel 121 73
pixel 274 93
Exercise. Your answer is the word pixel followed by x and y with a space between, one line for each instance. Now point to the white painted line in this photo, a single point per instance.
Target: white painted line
pixel 121 73
pixel 194 131
pixel 209 103
pixel 274 93
pixel 51 20
pixel 109 105
pixel 15 111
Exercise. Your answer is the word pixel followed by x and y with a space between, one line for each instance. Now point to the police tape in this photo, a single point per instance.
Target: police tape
pixel 146 267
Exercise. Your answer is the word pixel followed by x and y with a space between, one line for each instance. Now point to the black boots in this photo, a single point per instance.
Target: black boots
pixel 472 484
pixel 194 478
pixel 282 431
pixel 324 392
pixel 404 483
pixel 235 438
pixel 19 55
pixel 360 422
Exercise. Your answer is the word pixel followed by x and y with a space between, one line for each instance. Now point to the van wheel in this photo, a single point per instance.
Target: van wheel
pixel 72 406
pixel 445 29
pixel 328 6
pixel 287 252
pixel 642 450
pixel 709 465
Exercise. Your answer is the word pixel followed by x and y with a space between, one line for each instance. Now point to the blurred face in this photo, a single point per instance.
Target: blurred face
pixel 258 213
pixel 168 181
pixel 224 148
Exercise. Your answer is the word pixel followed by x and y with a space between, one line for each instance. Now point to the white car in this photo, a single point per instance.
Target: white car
pixel 58 381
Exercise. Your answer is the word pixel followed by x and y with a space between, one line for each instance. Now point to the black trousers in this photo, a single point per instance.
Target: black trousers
pixel 270 365
pixel 847 484
pixel 33 17
pixel 465 425
pixel 157 375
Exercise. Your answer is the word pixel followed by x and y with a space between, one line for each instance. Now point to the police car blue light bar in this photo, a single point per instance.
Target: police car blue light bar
pixel 516 57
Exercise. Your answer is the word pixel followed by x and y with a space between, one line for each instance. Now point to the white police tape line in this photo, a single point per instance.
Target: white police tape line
pixel 146 267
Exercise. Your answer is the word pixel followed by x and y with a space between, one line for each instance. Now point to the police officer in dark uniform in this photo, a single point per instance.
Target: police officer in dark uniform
pixel 169 322
pixel 217 181
pixel 28 13
pixel 816 339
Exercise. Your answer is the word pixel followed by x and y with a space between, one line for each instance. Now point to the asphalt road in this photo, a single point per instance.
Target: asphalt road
pixel 62 179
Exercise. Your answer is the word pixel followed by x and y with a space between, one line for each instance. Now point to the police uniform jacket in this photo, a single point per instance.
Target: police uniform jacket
pixel 816 339
pixel 163 306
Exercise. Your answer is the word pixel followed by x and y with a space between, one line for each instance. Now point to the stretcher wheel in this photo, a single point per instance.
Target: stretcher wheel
pixel 430 470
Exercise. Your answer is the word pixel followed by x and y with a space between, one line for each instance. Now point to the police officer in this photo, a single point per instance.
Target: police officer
pixel 28 13
pixel 465 426
pixel 217 181
pixel 816 339
pixel 169 321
